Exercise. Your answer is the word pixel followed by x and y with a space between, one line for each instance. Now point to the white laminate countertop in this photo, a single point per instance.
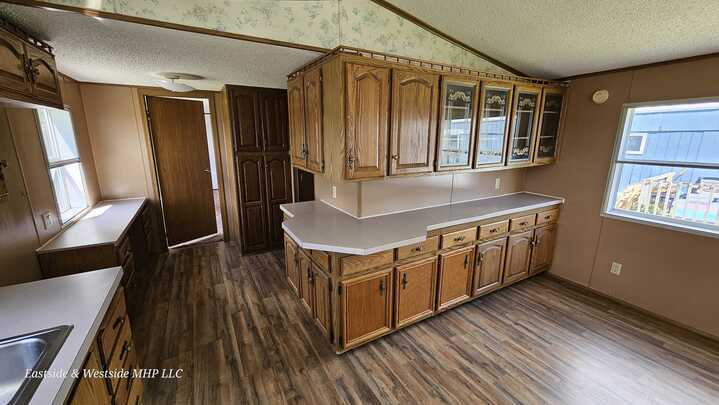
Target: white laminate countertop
pixel 104 224
pixel 317 225
pixel 80 300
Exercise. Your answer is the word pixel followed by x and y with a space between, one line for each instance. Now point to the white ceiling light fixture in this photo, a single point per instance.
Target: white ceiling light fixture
pixel 168 81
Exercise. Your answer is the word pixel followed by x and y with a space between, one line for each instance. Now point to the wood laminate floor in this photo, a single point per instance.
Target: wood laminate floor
pixel 240 336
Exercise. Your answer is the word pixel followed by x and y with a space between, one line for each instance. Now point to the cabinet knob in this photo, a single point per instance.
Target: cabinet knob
pixel 404 281
pixel 395 157
pixel 480 258
pixel 466 261
pixel 416 249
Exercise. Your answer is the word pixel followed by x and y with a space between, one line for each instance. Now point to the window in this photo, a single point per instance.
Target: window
pixel 665 169
pixel 63 159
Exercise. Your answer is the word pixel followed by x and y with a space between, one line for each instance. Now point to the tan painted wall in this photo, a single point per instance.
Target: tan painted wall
pixel 670 273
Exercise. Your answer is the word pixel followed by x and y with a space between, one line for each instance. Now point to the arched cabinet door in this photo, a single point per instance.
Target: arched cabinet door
pixel 279 191
pixel 13 75
pixel 45 81
pixel 253 217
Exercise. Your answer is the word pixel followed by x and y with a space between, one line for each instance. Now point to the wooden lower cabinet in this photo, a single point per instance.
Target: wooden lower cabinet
pixel 366 307
pixel 304 268
pixel 88 390
pixel 291 266
pixel 519 248
pixel 455 277
pixel 490 266
pixel 415 289
pixel 543 249
pixel 321 308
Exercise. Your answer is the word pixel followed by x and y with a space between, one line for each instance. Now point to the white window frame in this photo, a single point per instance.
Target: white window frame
pixel 62 163
pixel 612 179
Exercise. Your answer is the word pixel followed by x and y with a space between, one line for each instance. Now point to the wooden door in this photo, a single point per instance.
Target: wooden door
pixel 87 390
pixel 366 307
pixel 296 112
pixel 415 291
pixel 524 125
pixel 367 121
pixel 458 116
pixel 549 120
pixel 455 276
pixel 490 265
pixel 253 207
pixel 274 124
pixel 304 266
pixel 321 308
pixel 13 76
pixel 244 108
pixel 291 265
pixel 279 191
pixel 543 249
pixel 313 121
pixel 493 124
pixel 45 79
pixel 519 248
pixel 183 168
pixel 415 99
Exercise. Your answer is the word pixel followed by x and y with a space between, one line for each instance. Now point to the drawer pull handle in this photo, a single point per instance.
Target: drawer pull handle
pixel 547 216
pixel 523 223
pixel 417 249
pixel 381 287
pixel 459 238
pixel 404 281
pixel 466 261
pixel 126 347
pixel 480 258
pixel 493 230
pixel 118 322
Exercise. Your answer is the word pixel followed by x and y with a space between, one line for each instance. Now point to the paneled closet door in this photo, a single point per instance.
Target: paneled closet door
pixel 415 97
pixel 367 121
pixel 458 115
pixel 244 108
pixel 279 191
pixel 274 125
pixel 524 124
pixel 493 132
pixel 253 218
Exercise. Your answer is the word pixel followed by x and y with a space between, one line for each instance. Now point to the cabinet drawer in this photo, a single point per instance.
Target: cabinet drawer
pixel 112 325
pixel 355 264
pixel 547 217
pixel 431 244
pixel 493 230
pixel 120 355
pixel 322 259
pixel 521 223
pixel 459 237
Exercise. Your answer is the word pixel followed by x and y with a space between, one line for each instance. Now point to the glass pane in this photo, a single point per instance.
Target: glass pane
pixel 492 126
pixel 550 125
pixel 687 133
pixel 57 134
pixel 70 193
pixel 457 125
pixel 688 195
pixel 521 143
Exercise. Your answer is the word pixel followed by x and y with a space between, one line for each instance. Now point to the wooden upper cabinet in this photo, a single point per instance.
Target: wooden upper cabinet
pixel 296 113
pixel 543 249
pixel 549 120
pixel 367 120
pixel 493 126
pixel 458 115
pixel 291 266
pixel 415 291
pixel 246 126
pixel 45 78
pixel 490 265
pixel 415 97
pixel 313 121
pixel 13 75
pixel 366 307
pixel 274 122
pixel 525 107
pixel 519 249
pixel 455 276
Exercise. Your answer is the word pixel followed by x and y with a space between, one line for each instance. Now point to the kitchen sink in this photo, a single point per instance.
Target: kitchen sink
pixel 32 352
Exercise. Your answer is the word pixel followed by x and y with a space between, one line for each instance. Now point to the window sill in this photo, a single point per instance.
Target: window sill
pixel 672 226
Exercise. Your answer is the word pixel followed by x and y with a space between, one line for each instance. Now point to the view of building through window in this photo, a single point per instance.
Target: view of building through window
pixel 666 167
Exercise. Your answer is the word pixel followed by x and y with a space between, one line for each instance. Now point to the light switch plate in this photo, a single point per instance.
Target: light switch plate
pixel 47 220
pixel 616 268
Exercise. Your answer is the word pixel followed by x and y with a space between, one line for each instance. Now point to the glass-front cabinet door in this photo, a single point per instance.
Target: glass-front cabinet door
pixel 457 119
pixel 494 107
pixel 552 98
pixel 524 122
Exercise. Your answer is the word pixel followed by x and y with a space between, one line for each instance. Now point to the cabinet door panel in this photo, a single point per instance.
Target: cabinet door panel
pixel 313 120
pixel 90 391
pixel 12 65
pixel 519 248
pixel 455 276
pixel 490 265
pixel 415 291
pixel 279 191
pixel 524 124
pixel 495 103
pixel 321 287
pixel 291 267
pixel 366 307
pixel 543 250
pixel 304 266
pixel 457 119
pixel 296 112
pixel 245 119
pixel 274 125
pixel 253 215
pixel 367 121
pixel 45 80
pixel 552 99
pixel 415 97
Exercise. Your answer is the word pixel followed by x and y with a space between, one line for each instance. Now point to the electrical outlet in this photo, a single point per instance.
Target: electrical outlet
pixel 47 220
pixel 616 268
pixel 334 191
pixel 497 183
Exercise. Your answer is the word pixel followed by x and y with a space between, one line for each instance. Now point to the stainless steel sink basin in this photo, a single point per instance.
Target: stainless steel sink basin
pixel 32 352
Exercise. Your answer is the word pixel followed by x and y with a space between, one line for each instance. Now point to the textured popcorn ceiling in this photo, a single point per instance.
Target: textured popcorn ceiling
pixel 108 51
pixel 560 38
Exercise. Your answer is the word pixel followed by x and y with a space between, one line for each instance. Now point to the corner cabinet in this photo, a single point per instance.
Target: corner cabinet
pixel 458 113
pixel 28 74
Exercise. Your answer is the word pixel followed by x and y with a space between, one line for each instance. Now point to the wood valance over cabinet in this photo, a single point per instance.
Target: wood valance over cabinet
pixel 357 115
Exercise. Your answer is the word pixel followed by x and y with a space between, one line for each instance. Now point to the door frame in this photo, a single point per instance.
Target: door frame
pixel 148 152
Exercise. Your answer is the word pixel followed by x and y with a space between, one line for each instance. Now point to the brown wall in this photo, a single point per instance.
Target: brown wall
pixel 670 273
